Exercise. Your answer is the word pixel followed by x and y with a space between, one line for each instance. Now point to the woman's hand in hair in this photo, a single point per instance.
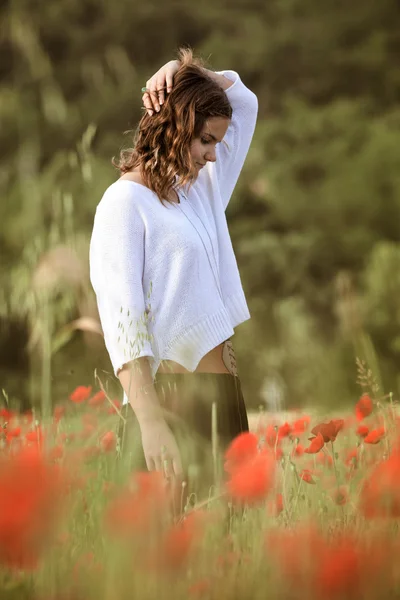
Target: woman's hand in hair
pixel 157 85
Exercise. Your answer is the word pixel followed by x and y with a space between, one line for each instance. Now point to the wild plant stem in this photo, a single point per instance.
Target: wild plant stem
pixel 334 464
pixel 46 362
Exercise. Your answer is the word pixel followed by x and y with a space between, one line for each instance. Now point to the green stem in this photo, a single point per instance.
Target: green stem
pixel 46 363
pixel 296 499
pixel 334 464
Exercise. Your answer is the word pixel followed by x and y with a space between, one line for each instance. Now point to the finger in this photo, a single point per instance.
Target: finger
pixel 169 81
pixel 160 91
pixel 147 102
pixel 150 464
pixel 166 462
pixel 146 99
pixel 152 94
pixel 168 469
pixel 154 98
pixel 158 463
pixel 177 467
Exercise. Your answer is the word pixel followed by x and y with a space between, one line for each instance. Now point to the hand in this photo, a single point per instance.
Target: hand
pixel 155 96
pixel 160 448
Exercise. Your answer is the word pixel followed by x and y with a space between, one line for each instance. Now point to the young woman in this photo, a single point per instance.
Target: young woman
pixel 162 265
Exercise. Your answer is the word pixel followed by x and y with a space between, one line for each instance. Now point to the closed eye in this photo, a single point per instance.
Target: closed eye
pixel 205 142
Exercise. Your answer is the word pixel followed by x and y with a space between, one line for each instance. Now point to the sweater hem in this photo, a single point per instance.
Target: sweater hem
pixel 189 347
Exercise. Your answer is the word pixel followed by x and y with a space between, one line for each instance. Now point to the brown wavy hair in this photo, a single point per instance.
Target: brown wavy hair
pixel 162 141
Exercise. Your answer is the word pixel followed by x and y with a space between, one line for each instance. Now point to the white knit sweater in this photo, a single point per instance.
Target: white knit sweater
pixel 166 277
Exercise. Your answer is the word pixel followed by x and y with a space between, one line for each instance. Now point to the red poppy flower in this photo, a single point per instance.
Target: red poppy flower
pixel 6 414
pixel 284 430
pixel 329 430
pixel 13 432
pixel 339 571
pixel 98 399
pixel 253 481
pixel 363 407
pixel 136 509
pixel 362 430
pixel 380 494
pixel 126 515
pixel 87 431
pixel 58 413
pixel 177 544
pixel 12 437
pixel 300 425
pixel 316 444
pixel 36 435
pixel 109 441
pixel 240 450
pixel 31 495
pixel 295 552
pixel 375 436
pixel 81 393
pixel 306 476
pixel 113 409
pixel 298 450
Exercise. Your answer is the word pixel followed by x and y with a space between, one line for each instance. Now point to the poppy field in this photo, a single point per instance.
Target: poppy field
pixel 308 508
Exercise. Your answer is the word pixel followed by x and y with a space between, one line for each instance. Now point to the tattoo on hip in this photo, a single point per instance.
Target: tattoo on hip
pixel 228 356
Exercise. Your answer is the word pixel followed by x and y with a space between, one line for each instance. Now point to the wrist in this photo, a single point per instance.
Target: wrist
pixel 150 419
pixel 223 81
pixel 175 63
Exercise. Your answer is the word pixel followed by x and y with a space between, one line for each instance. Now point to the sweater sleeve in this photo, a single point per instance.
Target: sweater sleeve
pixel 116 269
pixel 232 151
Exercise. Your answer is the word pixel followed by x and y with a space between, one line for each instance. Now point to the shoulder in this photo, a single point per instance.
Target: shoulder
pixel 123 196
pixel 122 209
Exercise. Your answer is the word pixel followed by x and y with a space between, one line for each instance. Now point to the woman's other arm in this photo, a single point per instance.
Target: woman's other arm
pixel 116 267
pixel 136 380
pixel 157 438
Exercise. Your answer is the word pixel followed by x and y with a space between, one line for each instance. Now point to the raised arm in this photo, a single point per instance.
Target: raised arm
pixel 232 152
pixel 222 81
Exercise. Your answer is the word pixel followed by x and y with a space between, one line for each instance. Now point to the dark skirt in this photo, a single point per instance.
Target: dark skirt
pixel 202 433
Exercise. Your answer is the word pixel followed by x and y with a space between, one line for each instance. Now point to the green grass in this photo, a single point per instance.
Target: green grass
pixel 103 534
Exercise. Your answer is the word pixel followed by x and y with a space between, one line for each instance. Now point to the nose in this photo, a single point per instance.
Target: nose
pixel 211 156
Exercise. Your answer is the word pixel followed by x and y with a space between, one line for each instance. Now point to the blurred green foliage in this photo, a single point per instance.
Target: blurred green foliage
pixel 314 219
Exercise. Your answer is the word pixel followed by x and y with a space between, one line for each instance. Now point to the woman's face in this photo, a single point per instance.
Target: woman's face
pixel 203 148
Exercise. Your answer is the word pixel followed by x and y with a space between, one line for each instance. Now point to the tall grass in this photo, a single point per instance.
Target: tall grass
pixel 290 518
